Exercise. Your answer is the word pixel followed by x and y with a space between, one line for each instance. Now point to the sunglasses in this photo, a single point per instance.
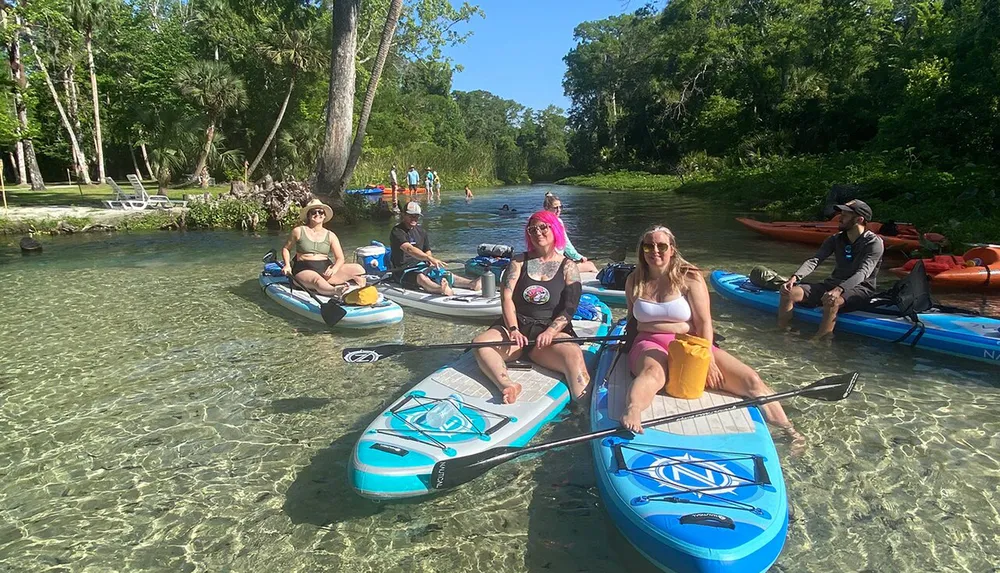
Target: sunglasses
pixel 315 212
pixel 539 229
pixel 659 247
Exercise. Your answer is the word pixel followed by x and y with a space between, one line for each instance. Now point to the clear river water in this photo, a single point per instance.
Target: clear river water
pixel 159 413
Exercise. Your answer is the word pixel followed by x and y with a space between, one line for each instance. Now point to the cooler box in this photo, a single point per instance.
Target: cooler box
pixel 373 257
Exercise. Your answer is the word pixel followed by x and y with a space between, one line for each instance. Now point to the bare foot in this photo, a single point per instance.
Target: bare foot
pixel 632 419
pixel 798 446
pixel 446 289
pixel 825 338
pixel 511 392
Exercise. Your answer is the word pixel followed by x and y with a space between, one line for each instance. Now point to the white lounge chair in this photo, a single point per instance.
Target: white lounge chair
pixel 153 200
pixel 122 199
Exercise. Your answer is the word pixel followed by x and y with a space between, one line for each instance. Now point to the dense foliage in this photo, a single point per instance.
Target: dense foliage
pixel 241 87
pixel 675 87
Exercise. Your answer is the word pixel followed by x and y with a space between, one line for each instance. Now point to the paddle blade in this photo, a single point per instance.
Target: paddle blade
pixel 269 257
pixel 454 472
pixel 618 255
pixel 832 388
pixel 332 312
pixel 367 355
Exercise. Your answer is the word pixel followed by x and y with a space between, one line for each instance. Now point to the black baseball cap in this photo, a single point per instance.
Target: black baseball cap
pixel 858 207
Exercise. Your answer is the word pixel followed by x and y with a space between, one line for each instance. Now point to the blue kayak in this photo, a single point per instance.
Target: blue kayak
pixel 373 191
pixel 965 335
pixel 705 494
pixel 394 456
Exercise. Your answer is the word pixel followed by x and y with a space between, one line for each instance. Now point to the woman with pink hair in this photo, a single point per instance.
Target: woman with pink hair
pixel 541 290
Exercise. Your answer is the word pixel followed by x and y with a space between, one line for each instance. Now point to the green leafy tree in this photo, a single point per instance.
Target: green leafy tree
pixel 213 88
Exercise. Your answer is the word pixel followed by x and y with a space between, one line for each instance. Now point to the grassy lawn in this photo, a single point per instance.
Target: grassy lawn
pixel 89 195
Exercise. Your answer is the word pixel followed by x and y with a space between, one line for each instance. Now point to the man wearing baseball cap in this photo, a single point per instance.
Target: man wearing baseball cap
pixel 411 255
pixel 858 254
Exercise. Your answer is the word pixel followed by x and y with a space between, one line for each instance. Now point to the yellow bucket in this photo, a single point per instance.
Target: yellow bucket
pixel 690 357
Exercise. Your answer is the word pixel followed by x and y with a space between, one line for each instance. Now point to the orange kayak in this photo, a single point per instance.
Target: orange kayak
pixel 402 190
pixel 814 233
pixel 978 268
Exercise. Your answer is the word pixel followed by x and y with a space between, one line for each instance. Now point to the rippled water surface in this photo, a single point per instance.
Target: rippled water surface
pixel 157 412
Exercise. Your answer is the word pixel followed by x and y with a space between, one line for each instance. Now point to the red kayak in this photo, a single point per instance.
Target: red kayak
pixel 978 268
pixel 906 236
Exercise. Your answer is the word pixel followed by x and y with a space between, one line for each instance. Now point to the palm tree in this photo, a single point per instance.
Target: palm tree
pixel 212 87
pixel 86 13
pixel 301 50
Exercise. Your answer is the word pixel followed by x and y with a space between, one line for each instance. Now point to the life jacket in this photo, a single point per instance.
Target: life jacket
pixel 614 275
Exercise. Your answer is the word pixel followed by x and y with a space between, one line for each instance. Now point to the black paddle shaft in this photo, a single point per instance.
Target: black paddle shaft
pixel 455 472
pixel 376 353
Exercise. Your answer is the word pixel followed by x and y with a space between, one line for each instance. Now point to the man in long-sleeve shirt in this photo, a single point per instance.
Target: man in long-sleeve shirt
pixel 858 254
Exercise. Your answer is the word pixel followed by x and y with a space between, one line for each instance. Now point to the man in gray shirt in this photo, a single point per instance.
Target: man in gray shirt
pixel 858 253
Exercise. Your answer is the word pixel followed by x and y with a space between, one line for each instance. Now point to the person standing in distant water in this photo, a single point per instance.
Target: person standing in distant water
pixel 412 178
pixel 437 184
pixel 468 192
pixel 394 183
pixel 429 182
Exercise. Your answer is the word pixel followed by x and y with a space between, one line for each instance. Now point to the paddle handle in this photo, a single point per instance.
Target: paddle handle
pixel 578 340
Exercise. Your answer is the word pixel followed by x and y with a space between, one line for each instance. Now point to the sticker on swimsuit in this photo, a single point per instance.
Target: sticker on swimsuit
pixel 536 294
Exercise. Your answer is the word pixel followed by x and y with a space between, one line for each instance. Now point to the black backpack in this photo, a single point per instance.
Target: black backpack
pixel 614 275
pixel 910 295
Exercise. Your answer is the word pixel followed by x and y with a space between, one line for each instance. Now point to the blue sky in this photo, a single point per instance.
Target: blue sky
pixel 516 51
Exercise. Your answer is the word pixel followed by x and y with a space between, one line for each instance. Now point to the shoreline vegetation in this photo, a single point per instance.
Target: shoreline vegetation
pixel 960 204
pixel 67 209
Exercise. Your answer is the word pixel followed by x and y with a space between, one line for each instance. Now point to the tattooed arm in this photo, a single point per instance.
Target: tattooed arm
pixel 572 294
pixel 509 280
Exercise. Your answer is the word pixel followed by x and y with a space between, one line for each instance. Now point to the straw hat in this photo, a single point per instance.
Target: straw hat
pixel 304 212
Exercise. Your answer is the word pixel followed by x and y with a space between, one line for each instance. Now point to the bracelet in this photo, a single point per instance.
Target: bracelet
pixel 512 328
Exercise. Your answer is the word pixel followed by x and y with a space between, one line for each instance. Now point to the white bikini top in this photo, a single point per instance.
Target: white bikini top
pixel 676 310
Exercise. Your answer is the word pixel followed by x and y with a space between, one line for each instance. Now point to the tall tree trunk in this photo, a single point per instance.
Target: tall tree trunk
pixel 69 86
pixel 74 94
pixel 135 163
pixel 98 136
pixel 388 32
pixel 203 158
pixel 145 160
pixel 75 145
pixel 274 129
pixel 332 160
pixel 28 162
pixel 22 175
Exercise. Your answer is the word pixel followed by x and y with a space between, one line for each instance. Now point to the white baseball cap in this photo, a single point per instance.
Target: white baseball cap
pixel 413 208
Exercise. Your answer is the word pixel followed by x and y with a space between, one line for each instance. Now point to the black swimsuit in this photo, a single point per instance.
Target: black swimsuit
pixel 538 303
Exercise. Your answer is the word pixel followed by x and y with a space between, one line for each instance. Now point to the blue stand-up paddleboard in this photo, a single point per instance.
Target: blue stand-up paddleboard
pixel 279 289
pixel 396 453
pixel 965 335
pixel 704 494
